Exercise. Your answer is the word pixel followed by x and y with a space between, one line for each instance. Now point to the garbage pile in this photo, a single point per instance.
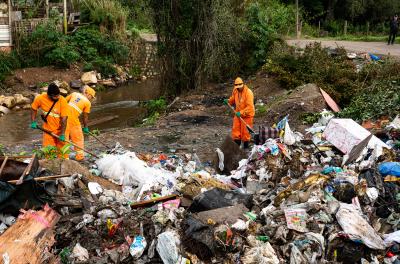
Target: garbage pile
pixel 331 195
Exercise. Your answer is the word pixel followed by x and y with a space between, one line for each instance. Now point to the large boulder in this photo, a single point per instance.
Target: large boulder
pixel 4 110
pixel 89 78
pixel 75 84
pixel 63 92
pixel 108 83
pixel 64 85
pixel 21 100
pixel 7 101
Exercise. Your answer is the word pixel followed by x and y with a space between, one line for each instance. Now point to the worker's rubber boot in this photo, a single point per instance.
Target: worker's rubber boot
pixel 238 142
pixel 246 144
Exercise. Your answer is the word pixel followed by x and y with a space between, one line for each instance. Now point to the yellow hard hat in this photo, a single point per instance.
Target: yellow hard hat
pixel 89 91
pixel 238 80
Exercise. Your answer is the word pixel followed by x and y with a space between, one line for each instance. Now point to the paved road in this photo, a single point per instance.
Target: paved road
pixel 380 48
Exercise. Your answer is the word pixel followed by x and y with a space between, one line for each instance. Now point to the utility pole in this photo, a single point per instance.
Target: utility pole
pixel 297 20
pixel 65 25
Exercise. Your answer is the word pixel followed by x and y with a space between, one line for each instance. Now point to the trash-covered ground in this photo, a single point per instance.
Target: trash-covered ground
pixel 328 196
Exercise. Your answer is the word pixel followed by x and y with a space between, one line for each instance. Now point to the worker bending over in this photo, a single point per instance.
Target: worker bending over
pixel 80 103
pixel 55 112
pixel 243 100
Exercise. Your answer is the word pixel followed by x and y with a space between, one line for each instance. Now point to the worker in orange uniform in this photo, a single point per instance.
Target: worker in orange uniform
pixel 243 100
pixel 80 103
pixel 55 113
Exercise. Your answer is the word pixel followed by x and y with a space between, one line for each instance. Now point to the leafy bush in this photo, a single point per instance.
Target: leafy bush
pixel 266 21
pixel 154 109
pixel 48 46
pixel 52 152
pixel 8 62
pixel 109 15
pixel 62 56
pixel 156 106
pixel 34 47
pixel 335 74
pixel 380 99
pixel 104 66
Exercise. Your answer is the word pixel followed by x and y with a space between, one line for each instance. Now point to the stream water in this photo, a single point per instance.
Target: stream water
pixel 120 104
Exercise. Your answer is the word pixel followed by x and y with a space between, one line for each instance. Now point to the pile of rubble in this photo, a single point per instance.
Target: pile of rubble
pixel 331 195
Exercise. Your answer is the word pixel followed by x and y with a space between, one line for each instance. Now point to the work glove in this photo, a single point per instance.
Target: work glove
pixel 85 130
pixel 34 125
pixel 226 101
pixel 238 114
pixel 62 137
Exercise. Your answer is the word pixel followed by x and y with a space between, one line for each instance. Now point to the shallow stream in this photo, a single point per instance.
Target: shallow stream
pixel 114 108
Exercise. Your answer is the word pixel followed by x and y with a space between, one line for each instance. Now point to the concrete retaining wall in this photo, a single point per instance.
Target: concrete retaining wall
pixel 143 57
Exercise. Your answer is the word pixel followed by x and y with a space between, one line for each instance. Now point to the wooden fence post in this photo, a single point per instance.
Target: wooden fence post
pixel 345 28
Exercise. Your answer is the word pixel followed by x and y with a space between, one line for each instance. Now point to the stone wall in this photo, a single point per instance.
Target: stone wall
pixel 143 57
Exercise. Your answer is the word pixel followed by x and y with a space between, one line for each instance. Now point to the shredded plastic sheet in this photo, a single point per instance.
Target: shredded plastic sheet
pixel 220 159
pixel 128 169
pixel 259 253
pixel 358 229
pixel 168 247
pixel 80 253
pixel 392 238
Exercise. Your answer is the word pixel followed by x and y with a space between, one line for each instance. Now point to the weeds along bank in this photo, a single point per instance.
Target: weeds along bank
pixel 364 88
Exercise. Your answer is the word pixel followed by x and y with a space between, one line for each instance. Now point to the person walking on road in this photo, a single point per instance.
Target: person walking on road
pixel 79 103
pixel 394 28
pixel 242 99
pixel 55 113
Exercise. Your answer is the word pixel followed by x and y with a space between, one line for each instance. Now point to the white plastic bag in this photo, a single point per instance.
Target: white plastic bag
pixel 289 138
pixel 128 169
pixel 220 159
pixel 354 225
pixel 80 253
pixel 168 247
pixel 259 253
pixel 137 247
pixel 392 238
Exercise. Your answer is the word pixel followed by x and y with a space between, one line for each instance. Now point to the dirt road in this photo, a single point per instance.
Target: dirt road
pixel 380 48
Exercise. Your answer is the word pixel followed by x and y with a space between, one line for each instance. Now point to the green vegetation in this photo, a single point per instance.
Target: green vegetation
pixel 369 93
pixel 154 109
pixel 261 109
pixel 364 17
pixel 52 152
pixel 215 40
pixel 335 74
pixel 8 62
pixel 267 21
pixel 109 15
pixel 381 98
pixel 48 46
pixel 310 118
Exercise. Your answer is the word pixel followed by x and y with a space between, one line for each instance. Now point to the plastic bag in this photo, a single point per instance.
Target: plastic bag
pixel 392 238
pixel 389 168
pixel 128 169
pixel 167 247
pixel 289 138
pixel 220 159
pixel 259 253
pixel 137 247
pixel 296 219
pixel 80 253
pixel 357 228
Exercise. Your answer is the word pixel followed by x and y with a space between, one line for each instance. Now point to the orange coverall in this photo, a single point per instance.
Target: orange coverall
pixel 78 104
pixel 244 103
pixel 53 123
